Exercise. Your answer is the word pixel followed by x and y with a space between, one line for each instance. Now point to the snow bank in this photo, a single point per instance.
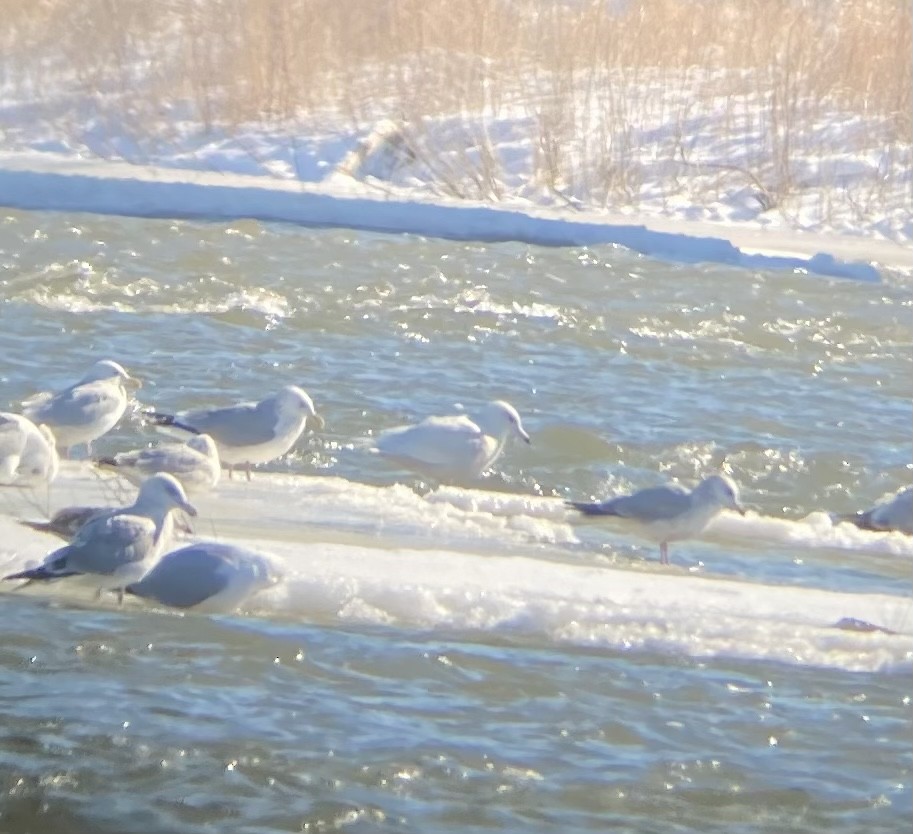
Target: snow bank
pixel 61 183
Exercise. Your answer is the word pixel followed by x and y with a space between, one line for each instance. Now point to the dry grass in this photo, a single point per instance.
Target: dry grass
pixel 594 78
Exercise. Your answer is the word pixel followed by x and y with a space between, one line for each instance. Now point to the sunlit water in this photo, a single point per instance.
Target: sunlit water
pixel 464 659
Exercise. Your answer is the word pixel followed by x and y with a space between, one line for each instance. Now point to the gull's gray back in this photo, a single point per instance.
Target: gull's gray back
pixel 186 577
pixel 103 545
pixel 653 504
pixel 245 424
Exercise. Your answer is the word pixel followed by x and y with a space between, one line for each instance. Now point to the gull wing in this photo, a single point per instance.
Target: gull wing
pixel 176 459
pixel 436 441
pixel 67 521
pixel 185 577
pixel 103 545
pixel 197 573
pixel 653 504
pixel 245 424
pixel 75 406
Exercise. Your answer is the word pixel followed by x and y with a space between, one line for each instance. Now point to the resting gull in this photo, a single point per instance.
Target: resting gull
pixel 28 453
pixel 207 576
pixel 195 463
pixel 894 513
pixel 456 448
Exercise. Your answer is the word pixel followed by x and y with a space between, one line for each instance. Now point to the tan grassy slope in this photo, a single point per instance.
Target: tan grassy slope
pixel 768 79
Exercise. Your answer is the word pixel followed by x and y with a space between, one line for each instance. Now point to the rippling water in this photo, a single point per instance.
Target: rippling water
pixel 469 659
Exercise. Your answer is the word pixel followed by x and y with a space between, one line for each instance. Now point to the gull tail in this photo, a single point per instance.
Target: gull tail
pixel 592 508
pixel 40 526
pixel 863 520
pixel 168 421
pixel 43 573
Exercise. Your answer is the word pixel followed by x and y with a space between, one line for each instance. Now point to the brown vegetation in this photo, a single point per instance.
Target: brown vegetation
pixel 591 76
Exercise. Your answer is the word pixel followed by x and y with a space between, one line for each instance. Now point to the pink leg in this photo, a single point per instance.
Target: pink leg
pixel 248 471
pixel 663 553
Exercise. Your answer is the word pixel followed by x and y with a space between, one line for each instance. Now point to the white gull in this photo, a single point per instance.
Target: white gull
pixel 28 454
pixel 455 448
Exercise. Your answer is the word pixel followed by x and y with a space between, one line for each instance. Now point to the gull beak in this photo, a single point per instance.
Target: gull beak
pixel 740 509
pixel 524 435
pixel 132 382
pixel 317 420
pixel 188 508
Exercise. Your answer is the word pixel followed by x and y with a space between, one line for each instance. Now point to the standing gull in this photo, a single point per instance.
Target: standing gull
pixel 455 448
pixel 670 513
pixel 249 433
pixel 86 410
pixel 116 549
pixel 195 463
pixel 207 576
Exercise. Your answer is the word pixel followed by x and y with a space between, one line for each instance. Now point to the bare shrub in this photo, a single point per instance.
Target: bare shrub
pixel 613 93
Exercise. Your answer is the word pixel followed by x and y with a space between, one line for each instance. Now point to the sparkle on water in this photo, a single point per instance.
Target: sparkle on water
pixel 471 658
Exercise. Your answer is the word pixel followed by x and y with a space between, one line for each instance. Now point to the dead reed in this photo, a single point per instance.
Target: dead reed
pixel 723 93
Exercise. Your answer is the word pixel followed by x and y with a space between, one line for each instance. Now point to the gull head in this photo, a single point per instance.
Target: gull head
pixel 109 369
pixel 499 419
pixel 295 400
pixel 721 491
pixel 164 491
pixel 203 444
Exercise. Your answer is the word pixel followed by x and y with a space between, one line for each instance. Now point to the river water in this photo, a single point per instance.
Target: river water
pixel 465 659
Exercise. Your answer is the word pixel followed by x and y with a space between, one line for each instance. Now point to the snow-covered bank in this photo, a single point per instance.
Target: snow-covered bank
pixel 63 183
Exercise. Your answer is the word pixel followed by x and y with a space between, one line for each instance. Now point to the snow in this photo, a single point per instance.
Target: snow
pixel 471 561
pixel 388 179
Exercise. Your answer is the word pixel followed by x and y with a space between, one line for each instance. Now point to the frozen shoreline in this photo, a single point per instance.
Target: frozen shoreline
pixel 60 182
pixel 356 553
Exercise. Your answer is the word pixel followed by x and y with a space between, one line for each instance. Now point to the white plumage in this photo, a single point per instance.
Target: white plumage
pixel 455 448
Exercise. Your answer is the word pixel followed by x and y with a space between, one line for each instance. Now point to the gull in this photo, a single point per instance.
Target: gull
pixel 670 513
pixel 248 433
pixel 86 410
pixel 453 448
pixel 895 513
pixel 195 463
pixel 116 549
pixel 67 521
pixel 206 576
pixel 28 453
